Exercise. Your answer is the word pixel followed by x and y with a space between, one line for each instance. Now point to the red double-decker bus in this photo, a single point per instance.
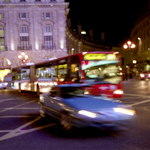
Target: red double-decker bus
pixel 101 70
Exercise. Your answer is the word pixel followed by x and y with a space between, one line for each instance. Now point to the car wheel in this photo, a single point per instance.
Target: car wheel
pixel 65 121
pixel 19 89
pixel 42 111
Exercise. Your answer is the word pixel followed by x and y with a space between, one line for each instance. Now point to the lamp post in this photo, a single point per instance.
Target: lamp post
pixel 129 45
pixel 23 57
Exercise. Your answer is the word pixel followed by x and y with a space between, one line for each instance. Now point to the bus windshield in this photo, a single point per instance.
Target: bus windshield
pixel 102 70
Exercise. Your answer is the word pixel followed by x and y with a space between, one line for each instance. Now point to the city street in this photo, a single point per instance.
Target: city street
pixel 22 128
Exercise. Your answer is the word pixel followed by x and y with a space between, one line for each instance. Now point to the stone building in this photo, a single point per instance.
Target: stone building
pixel 35 27
pixel 140 35
pixel 77 43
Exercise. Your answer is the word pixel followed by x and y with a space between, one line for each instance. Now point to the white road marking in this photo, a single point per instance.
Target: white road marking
pixel 19 116
pixel 3 100
pixel 146 101
pixel 17 106
pixel 137 95
pixel 19 131
pixel 1 131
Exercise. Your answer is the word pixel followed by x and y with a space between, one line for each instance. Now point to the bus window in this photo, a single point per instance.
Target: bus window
pixel 62 72
pixel 46 73
pixel 25 74
pixel 75 73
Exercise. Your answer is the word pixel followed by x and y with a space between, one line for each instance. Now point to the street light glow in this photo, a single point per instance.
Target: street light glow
pixel 133 46
pixel 129 43
pixel 134 61
pixel 125 46
pixel 19 56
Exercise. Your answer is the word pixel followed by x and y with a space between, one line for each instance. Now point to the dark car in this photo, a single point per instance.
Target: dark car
pixel 145 75
pixel 72 108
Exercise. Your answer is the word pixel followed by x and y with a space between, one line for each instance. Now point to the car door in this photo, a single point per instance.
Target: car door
pixel 57 101
pixel 52 103
pixel 49 102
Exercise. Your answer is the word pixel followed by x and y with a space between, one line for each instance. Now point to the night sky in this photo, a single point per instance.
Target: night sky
pixel 114 17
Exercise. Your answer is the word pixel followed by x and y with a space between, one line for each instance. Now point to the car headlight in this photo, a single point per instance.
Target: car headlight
pixel 118 92
pixel 87 113
pixel 6 83
pixel 142 75
pixel 42 98
pixel 124 111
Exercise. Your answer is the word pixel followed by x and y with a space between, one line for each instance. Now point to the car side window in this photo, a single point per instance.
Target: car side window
pixel 53 92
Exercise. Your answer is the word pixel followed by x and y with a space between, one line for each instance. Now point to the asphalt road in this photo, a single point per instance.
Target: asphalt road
pixel 21 127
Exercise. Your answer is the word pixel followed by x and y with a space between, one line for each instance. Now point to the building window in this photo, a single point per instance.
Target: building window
pixel 2 38
pixel 1 16
pixel 48 38
pixel 48 15
pixel 37 0
pixel 23 29
pixel 23 16
pixel 22 0
pixel 24 37
pixel 47 29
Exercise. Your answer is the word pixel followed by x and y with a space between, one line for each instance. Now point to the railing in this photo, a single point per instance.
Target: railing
pixel 48 47
pixel 20 48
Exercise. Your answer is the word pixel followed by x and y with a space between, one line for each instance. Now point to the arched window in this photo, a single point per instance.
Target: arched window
pixel 48 37
pixel 24 37
pixel 2 38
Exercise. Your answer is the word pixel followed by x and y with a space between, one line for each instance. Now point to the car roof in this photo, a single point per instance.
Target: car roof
pixel 73 85
pixel 82 84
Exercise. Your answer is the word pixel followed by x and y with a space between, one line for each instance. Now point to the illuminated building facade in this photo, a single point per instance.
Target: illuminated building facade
pixel 35 27
pixel 77 42
pixel 140 35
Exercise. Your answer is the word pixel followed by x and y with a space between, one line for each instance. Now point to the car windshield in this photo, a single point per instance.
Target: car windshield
pixel 67 92
pixel 102 70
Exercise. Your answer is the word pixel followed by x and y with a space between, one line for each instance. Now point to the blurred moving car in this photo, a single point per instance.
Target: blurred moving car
pixel 145 75
pixel 72 108
pixel 3 85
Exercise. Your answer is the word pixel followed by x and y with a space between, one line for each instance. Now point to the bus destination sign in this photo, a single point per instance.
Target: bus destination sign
pixel 100 57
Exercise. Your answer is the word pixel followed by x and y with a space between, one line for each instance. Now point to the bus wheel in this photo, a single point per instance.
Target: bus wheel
pixel 19 89
pixel 38 90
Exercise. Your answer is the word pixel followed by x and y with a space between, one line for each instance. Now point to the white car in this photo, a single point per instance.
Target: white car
pixel 3 85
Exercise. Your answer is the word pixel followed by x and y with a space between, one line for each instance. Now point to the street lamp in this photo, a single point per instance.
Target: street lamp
pixel 72 51
pixel 129 45
pixel 23 57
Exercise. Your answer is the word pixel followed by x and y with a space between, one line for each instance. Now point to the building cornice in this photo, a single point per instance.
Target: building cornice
pixel 34 5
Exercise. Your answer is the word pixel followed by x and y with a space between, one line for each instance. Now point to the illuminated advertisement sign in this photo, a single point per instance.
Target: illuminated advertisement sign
pixel 100 57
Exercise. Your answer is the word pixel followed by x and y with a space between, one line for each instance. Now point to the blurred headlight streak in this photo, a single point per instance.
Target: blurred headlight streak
pixel 124 111
pixel 87 113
